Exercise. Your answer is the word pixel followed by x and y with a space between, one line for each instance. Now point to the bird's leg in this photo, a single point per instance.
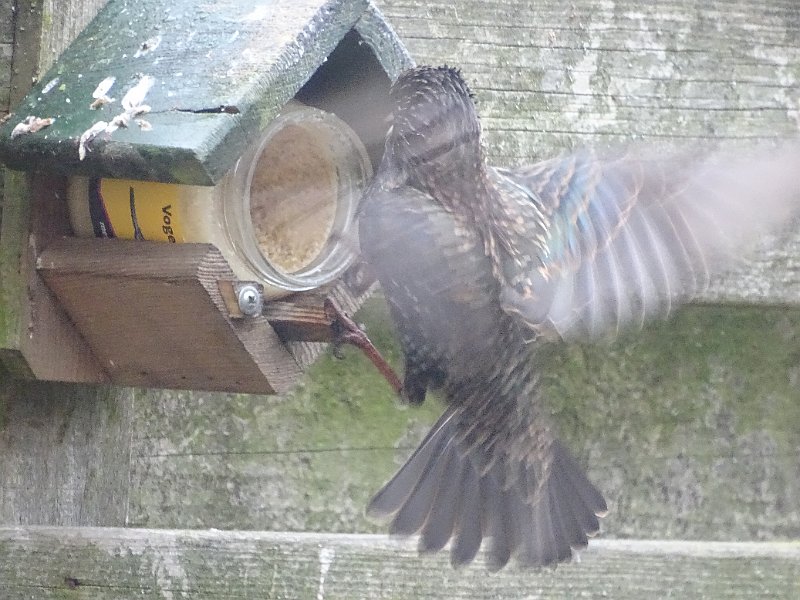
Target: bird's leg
pixel 346 331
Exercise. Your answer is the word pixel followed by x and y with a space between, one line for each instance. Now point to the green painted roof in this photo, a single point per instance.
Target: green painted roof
pixel 214 75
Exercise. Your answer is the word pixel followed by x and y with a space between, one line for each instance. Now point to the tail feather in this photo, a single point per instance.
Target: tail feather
pixel 563 529
pixel 564 463
pixel 395 493
pixel 413 514
pixel 544 550
pixel 500 515
pixel 469 530
pixel 441 521
pixel 446 492
pixel 576 520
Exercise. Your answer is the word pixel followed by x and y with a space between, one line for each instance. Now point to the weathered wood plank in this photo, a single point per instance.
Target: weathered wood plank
pixel 21 294
pixel 65 459
pixel 708 402
pixel 154 316
pixel 770 275
pixel 110 563
pixel 26 43
pixel 6 51
pixel 42 30
pixel 597 72
pixel 36 336
pixel 602 73
pixel 7 10
pixel 61 22
pixel 307 460
pixel 65 453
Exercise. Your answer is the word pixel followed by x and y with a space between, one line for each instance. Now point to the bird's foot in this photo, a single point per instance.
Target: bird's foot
pixel 347 331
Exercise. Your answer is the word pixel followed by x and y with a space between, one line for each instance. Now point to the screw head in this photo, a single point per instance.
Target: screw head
pixel 250 299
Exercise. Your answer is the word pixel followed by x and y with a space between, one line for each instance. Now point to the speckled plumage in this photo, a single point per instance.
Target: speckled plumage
pixel 480 266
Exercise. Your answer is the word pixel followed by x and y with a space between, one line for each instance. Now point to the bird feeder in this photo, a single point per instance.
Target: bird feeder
pixel 182 192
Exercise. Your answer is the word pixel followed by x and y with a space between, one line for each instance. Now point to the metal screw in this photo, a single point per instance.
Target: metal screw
pixel 250 300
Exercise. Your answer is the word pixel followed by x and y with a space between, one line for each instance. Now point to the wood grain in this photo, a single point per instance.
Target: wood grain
pixel 66 453
pixel 7 9
pixel 110 563
pixel 37 337
pixel 154 316
pixel 549 76
pixel 65 456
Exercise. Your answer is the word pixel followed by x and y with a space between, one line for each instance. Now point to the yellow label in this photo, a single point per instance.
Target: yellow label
pixel 143 210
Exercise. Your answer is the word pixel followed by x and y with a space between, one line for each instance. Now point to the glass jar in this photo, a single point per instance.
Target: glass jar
pixel 283 216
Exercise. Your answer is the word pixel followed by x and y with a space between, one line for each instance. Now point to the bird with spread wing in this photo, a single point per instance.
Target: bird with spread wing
pixel 483 266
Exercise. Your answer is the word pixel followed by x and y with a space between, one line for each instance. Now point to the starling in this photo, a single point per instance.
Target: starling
pixel 482 267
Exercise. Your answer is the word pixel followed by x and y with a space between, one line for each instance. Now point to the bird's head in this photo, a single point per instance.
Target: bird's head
pixel 435 130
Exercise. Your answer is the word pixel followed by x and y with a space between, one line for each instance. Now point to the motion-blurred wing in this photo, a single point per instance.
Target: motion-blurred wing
pixel 624 239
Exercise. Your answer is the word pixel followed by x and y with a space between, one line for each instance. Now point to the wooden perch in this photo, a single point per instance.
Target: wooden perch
pixel 300 318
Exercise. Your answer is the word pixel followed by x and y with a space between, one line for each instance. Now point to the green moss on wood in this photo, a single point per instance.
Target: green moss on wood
pixel 3 418
pixel 13 233
pixel 208 57
pixel 690 427
pixel 307 460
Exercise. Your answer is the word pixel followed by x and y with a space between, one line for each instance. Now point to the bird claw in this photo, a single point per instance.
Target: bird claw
pixel 341 339
pixel 337 350
pixel 347 331
pixel 344 329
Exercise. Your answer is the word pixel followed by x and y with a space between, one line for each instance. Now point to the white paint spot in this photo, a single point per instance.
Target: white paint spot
pixel 31 124
pixel 100 93
pixel 326 556
pixel 104 87
pixel 136 95
pixel 169 574
pixel 148 46
pixel 260 13
pixel 582 74
pixel 50 85
pixel 89 135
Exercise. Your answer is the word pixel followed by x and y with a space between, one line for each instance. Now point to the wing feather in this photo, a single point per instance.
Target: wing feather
pixel 619 240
